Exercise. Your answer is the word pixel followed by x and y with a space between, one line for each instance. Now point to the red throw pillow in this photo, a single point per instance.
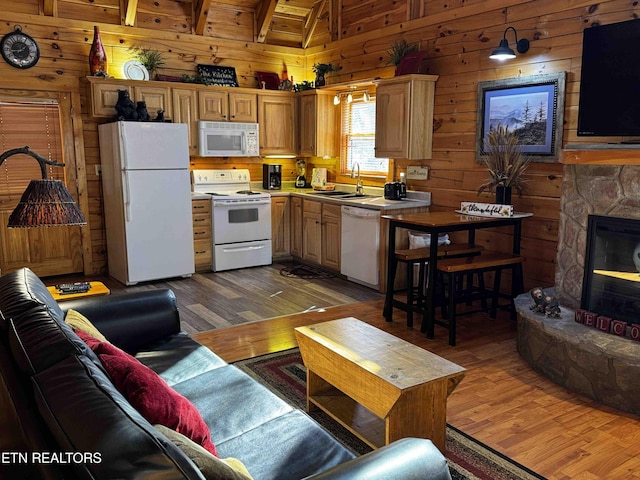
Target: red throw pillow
pixel 150 394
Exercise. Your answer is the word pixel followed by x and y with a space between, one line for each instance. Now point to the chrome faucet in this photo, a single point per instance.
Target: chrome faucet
pixel 359 187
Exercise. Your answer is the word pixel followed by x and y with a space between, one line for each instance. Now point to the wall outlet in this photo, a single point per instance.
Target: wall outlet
pixel 98 169
pixel 416 172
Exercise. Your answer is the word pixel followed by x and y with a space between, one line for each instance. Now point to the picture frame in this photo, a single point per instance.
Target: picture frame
pixel 532 106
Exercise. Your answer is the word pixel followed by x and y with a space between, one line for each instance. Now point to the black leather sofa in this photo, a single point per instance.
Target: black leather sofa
pixel 56 397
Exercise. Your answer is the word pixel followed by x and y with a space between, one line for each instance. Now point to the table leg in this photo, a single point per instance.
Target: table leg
pixel 315 385
pixel 429 312
pixel 392 265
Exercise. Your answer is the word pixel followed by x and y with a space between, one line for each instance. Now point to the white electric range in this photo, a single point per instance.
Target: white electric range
pixel 240 218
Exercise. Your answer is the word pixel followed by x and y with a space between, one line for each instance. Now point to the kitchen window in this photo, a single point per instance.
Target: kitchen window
pixel 358 137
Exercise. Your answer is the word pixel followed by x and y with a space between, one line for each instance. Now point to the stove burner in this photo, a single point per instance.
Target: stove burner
pixel 246 192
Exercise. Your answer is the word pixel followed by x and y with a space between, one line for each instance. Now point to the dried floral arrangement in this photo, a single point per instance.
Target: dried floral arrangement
pixel 504 160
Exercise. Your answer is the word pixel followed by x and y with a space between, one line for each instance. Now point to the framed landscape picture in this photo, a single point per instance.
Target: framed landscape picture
pixel 532 107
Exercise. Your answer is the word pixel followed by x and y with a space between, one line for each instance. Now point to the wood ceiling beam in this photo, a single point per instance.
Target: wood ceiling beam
pixel 50 8
pixel 311 22
pixel 201 15
pixel 264 15
pixel 130 12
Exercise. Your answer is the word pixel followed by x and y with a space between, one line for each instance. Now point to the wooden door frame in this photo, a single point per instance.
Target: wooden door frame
pixel 73 147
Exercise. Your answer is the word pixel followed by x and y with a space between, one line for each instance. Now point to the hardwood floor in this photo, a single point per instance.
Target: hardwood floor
pixel 501 401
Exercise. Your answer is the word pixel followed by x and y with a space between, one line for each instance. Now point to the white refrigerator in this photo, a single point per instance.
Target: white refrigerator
pixel 147 200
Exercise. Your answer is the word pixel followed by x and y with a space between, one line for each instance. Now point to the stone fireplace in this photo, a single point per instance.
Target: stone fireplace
pixel 596 364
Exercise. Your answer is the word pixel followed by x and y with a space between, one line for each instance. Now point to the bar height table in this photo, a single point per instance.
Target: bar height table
pixel 436 223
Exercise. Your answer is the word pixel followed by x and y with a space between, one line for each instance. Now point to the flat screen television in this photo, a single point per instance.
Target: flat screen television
pixel 610 80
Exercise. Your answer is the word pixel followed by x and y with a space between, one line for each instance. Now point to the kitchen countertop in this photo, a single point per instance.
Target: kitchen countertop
pixel 376 202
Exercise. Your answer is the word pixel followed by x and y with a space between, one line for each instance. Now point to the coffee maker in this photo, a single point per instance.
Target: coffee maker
pixel 271 177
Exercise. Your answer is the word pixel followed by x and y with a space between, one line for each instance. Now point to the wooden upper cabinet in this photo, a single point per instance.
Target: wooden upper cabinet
pixel 404 116
pixel 228 106
pixel 319 122
pixel 103 98
pixel 156 98
pixel 185 110
pixel 277 120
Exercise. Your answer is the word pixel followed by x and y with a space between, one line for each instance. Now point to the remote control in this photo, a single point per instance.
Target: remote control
pixel 76 287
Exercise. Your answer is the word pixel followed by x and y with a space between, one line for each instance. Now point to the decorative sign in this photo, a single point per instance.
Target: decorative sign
pixel 218 75
pixel 486 209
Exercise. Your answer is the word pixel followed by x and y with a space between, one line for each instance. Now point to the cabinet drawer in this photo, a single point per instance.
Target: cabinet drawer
pixel 203 254
pixel 311 206
pixel 200 206
pixel 202 232
pixel 201 220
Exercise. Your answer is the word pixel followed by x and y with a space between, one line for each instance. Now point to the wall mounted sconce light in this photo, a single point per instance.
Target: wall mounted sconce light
pixel 503 52
pixel 45 202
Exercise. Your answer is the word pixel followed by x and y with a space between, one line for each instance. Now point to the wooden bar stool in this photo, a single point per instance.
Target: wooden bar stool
pixel 451 271
pixel 420 256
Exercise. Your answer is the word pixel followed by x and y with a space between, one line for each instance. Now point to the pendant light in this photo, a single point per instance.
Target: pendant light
pixel 504 52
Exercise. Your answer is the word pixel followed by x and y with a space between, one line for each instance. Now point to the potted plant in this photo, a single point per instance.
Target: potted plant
pixel 505 163
pixel 400 49
pixel 321 69
pixel 150 58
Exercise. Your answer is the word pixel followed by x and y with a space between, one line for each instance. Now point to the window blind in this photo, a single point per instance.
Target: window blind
pixel 358 137
pixel 36 125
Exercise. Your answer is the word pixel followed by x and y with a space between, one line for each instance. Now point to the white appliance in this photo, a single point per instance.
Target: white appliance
pixel 360 245
pixel 241 219
pixel 227 139
pixel 147 200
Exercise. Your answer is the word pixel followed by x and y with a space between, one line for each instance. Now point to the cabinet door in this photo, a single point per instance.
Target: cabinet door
pixel 185 110
pixel 104 97
pixel 331 233
pixel 308 125
pixel 392 120
pixel 213 105
pixel 311 231
pixel 276 116
pixel 296 226
pixel 156 98
pixel 280 226
pixel 243 107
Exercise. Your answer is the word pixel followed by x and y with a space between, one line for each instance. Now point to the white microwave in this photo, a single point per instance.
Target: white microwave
pixel 227 139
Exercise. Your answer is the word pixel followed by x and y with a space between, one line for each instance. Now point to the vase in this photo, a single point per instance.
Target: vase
pixel 97 55
pixel 320 80
pixel 503 195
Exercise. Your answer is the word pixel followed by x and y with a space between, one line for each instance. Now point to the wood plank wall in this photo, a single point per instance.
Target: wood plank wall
pixel 458 36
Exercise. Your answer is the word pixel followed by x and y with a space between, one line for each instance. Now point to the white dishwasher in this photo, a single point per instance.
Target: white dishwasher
pixel 360 245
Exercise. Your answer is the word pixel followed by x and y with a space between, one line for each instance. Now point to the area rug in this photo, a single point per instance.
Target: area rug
pixel 303 271
pixel 468 459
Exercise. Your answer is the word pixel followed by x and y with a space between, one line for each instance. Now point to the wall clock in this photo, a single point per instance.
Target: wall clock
pixel 19 49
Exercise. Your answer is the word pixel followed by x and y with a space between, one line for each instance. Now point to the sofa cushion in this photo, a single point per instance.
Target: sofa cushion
pixel 85 413
pixel 150 394
pixel 38 341
pixel 179 358
pixel 213 468
pixel 22 290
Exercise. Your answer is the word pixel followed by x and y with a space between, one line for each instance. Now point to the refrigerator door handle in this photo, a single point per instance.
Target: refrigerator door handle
pixel 126 195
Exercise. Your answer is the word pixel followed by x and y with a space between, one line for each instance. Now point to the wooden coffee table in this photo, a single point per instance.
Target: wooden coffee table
pixel 95 288
pixel 379 387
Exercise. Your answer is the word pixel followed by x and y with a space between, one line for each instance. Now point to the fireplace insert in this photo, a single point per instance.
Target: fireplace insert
pixel 611 283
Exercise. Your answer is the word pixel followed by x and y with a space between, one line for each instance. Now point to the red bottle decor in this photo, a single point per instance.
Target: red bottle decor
pixel 97 55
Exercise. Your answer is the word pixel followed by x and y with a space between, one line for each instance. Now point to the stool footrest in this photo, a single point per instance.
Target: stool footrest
pixel 479 262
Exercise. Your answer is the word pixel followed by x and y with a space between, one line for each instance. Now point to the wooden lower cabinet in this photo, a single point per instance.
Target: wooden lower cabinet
pixel 331 236
pixel 321 232
pixel 296 227
pixel 280 226
pixel 202 235
pixel 311 230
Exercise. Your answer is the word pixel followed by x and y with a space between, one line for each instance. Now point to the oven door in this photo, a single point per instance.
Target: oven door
pixel 241 220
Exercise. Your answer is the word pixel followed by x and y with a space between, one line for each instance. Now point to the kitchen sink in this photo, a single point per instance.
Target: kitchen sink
pixel 355 195
pixel 331 193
